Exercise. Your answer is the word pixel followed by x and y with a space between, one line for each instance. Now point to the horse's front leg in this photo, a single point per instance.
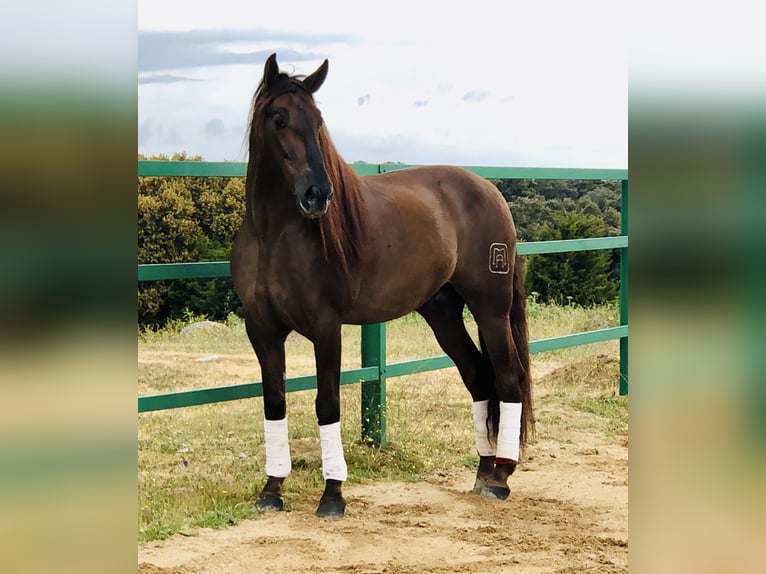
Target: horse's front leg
pixel 327 349
pixel 269 346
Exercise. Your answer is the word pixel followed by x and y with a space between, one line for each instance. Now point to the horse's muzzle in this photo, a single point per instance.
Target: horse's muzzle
pixel 315 201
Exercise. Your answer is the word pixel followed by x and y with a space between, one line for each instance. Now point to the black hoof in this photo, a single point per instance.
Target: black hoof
pixel 269 503
pixel 499 492
pixel 332 509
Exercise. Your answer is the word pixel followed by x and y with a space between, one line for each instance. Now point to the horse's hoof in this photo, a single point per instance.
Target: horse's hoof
pixel 479 485
pixel 269 503
pixel 331 509
pixel 499 492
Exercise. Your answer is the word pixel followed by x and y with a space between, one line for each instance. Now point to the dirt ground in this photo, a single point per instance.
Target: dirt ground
pixel 568 512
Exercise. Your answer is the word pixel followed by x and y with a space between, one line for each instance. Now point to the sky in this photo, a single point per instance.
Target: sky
pixel 521 84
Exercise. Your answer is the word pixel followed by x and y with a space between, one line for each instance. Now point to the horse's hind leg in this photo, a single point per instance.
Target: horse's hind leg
pixel 497 302
pixel 444 314
pixel 498 344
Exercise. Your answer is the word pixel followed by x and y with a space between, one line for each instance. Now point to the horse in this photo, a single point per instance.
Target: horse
pixel 320 246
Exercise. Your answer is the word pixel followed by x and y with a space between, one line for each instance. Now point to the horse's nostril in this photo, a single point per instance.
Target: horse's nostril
pixel 312 193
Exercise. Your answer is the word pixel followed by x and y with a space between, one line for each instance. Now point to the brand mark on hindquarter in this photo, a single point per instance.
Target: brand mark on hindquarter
pixel 498 258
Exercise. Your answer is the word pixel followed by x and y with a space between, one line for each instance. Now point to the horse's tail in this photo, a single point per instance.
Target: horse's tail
pixel 520 334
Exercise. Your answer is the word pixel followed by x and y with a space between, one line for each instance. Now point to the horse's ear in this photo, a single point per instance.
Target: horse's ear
pixel 313 82
pixel 270 71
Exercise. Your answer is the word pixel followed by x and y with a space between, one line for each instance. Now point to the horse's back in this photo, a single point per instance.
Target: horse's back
pixel 464 207
pixel 461 195
pixel 428 226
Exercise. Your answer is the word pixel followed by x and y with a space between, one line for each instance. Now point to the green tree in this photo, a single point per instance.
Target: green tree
pixel 583 277
pixel 167 233
pixel 513 189
pixel 220 210
pixel 529 214
pixel 184 219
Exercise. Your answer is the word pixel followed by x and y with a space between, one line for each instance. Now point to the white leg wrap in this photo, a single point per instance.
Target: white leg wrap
pixel 509 432
pixel 277 448
pixel 333 463
pixel 480 413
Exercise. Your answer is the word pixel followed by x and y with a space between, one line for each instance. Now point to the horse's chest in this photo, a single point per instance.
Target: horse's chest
pixel 289 282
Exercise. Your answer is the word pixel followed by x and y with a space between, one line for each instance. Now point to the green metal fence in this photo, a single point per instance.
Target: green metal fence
pixel 374 370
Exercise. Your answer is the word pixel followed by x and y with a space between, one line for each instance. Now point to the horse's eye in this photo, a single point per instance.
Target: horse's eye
pixel 279 121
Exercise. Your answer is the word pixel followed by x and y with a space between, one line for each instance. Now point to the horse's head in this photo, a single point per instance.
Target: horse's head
pixel 290 135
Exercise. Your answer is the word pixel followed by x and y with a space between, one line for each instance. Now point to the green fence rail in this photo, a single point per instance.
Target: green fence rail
pixel 374 370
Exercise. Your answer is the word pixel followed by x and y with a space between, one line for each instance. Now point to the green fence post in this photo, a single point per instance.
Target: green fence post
pixel 624 291
pixel 374 392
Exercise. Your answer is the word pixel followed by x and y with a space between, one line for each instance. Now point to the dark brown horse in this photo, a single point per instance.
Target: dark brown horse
pixel 320 246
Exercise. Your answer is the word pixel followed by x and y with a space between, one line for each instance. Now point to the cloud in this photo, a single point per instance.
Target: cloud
pixel 146 130
pixel 475 96
pixel 191 49
pixel 164 139
pixel 419 103
pixel 363 100
pixel 164 79
pixel 214 128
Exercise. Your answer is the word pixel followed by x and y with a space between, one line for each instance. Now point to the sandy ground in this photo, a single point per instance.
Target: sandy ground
pixel 568 512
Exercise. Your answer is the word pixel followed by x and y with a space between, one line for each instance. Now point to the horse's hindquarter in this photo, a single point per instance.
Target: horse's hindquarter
pixel 487 235
pixel 426 226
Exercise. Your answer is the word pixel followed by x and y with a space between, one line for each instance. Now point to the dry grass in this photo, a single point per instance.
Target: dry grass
pixel 203 466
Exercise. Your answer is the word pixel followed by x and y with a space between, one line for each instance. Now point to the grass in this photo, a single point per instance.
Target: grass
pixel 203 466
